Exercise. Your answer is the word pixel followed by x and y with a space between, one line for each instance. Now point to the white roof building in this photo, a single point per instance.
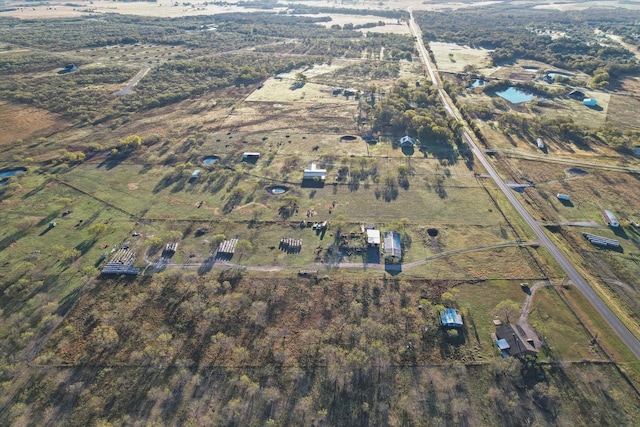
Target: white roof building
pixel 373 237
pixel 610 219
pixel 313 172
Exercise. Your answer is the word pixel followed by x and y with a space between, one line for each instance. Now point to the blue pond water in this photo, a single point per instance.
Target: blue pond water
pixel 210 160
pixel 515 95
pixel 478 83
pixel 554 75
pixel 11 172
pixel 278 190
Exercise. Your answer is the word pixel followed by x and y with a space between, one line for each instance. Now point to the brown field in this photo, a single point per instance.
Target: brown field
pixel 623 110
pixel 23 122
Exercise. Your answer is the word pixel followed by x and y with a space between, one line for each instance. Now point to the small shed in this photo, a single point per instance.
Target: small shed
pixel 313 173
pixel 69 68
pixel 590 102
pixel 392 246
pixel 373 237
pixel 610 219
pixel 563 197
pixel 540 143
pixel 250 156
pixel 451 318
pixel 576 94
pixel 407 141
pixel 195 174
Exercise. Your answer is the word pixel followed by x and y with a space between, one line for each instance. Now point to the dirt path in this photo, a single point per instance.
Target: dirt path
pixel 523 320
pixel 164 263
pixel 520 154
pixel 134 81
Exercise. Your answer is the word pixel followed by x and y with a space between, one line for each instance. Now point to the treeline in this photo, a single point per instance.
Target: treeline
pixel 311 10
pixel 564 39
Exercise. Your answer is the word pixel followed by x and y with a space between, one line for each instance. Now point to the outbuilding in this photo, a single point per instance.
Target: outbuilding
pixel 610 219
pixel 392 246
pixel 451 318
pixel 590 102
pixel 373 237
pixel 250 156
pixel 314 173
pixel 564 197
pixel 407 141
pixel 576 94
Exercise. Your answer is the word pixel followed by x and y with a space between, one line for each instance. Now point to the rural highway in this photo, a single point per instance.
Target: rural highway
pixel 576 278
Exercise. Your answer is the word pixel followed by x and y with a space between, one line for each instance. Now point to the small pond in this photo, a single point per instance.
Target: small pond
pixel 209 160
pixel 11 172
pixel 478 83
pixel 515 95
pixel 577 171
pixel 348 138
pixel 277 189
pixel 554 75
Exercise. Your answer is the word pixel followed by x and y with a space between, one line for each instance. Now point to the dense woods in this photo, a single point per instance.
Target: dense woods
pixel 247 351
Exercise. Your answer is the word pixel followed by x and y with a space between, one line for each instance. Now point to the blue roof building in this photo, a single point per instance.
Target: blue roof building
pixel 451 318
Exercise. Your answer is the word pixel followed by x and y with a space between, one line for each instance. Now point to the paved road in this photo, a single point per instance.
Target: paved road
pixel 576 278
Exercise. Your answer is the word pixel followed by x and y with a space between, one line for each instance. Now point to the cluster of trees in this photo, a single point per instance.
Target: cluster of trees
pixel 414 110
pixel 564 39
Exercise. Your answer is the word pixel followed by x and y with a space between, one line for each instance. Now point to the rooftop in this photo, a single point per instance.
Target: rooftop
pixel 451 318
pixel 513 341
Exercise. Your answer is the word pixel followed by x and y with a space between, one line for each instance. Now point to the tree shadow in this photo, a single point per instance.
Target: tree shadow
pixel 111 162
pixel 392 268
pixel 312 183
pixel 85 246
pixel 408 150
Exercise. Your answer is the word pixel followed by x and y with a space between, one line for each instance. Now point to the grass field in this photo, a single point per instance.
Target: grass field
pixel 23 123
pixel 453 58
